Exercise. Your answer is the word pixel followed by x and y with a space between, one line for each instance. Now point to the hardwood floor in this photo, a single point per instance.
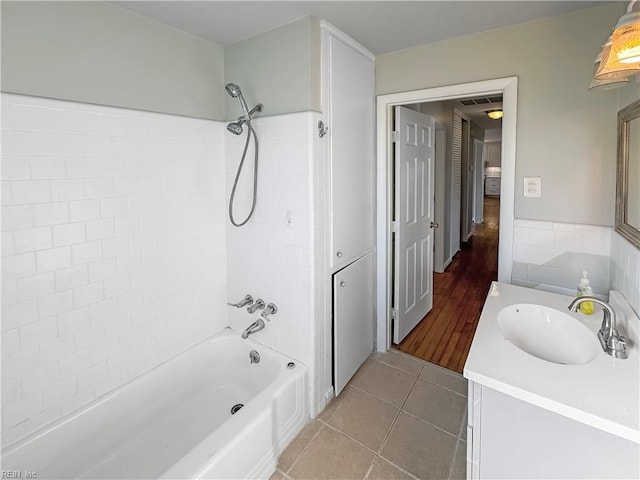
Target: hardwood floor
pixel 444 336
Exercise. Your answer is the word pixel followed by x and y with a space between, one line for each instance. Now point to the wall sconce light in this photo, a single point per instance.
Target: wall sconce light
pixel 610 67
pixel 495 114
pixel 620 56
pixel 608 81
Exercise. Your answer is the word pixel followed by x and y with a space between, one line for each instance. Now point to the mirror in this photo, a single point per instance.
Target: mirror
pixel 628 175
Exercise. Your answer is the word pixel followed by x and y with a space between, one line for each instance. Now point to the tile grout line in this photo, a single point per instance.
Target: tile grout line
pixel 375 454
pixel 373 461
pixel 304 449
pixel 455 452
pixel 429 365
pixel 395 421
pixel 431 424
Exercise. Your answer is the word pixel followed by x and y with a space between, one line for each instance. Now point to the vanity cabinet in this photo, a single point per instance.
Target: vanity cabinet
pixel 508 438
pixel 492 186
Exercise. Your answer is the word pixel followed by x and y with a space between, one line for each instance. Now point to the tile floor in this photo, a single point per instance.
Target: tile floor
pixel 399 418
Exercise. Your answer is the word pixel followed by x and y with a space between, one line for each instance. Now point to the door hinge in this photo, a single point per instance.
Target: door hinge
pixel 394 226
pixel 394 314
pixel 395 136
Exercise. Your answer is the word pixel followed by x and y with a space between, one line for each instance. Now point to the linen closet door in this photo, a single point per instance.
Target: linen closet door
pixel 353 311
pixel 351 126
pixel 348 107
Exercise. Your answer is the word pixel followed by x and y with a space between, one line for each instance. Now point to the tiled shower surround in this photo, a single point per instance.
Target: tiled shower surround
pixel 114 249
pixel 272 257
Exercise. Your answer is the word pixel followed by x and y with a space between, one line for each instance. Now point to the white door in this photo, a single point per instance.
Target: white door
pixel 456 185
pixel 414 219
pixel 353 319
pixel 478 195
pixel 441 260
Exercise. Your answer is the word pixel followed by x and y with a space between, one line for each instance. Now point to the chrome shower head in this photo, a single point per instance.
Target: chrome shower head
pixel 235 128
pixel 233 90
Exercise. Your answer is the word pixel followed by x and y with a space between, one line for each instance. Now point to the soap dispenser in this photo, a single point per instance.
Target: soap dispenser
pixel 584 289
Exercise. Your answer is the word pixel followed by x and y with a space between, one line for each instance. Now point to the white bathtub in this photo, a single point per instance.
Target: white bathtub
pixel 176 422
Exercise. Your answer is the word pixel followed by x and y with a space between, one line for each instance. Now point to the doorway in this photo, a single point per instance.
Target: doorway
pixel 443 337
pixel 507 87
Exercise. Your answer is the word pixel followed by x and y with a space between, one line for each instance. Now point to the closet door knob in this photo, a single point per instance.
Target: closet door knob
pixel 339 254
pixel 343 283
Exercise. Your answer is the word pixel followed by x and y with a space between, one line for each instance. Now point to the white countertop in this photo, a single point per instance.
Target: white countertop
pixel 603 393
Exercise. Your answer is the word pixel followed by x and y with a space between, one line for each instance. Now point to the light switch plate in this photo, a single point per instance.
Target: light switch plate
pixel 533 187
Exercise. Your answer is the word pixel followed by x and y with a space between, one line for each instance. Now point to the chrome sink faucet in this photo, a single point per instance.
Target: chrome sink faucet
pixel 253 328
pixel 611 341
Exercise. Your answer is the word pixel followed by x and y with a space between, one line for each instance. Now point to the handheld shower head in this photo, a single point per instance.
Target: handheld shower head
pixel 235 128
pixel 233 90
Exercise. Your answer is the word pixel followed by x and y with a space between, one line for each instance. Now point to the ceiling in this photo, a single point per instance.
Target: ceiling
pixel 476 108
pixel 381 26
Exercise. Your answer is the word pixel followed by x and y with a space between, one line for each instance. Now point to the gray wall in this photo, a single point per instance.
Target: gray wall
pixel 96 52
pixel 565 134
pixel 279 68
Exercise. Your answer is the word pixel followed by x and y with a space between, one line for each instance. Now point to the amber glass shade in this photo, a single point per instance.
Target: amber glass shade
pixel 611 68
pixel 626 39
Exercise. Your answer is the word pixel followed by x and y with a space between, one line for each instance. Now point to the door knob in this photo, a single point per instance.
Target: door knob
pixel 343 283
pixel 433 225
pixel 339 254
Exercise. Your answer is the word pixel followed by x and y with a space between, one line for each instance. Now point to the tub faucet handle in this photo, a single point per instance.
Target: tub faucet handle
pixel 247 300
pixel 257 305
pixel 269 310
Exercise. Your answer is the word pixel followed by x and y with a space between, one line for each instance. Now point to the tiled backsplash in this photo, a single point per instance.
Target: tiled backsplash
pixel 551 255
pixel 272 256
pixel 114 249
pixel 625 270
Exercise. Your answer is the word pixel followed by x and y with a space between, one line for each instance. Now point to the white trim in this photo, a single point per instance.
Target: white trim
pixel 508 87
pixel 327 28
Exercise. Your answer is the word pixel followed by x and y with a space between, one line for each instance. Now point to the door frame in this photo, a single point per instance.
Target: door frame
pixel 508 88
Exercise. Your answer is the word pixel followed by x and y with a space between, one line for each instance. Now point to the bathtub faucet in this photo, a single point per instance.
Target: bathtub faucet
pixel 253 328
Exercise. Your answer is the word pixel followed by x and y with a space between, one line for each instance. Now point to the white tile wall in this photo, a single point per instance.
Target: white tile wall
pixel 114 250
pixel 272 256
pixel 625 270
pixel 551 255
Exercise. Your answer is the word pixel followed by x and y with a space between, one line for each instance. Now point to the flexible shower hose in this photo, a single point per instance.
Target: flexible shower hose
pixel 250 132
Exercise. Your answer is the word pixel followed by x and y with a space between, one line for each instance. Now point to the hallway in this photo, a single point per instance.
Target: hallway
pixel 444 336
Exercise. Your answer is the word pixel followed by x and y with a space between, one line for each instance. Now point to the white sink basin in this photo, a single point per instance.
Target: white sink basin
pixel 548 334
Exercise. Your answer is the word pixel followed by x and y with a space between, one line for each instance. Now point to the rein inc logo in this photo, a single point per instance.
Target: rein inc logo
pixel 19 474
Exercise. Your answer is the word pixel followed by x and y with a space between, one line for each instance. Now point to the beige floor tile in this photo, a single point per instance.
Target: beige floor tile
pixel 387 383
pixel 383 470
pixel 437 405
pixel 459 468
pixel 295 448
pixel 463 427
pixel 448 379
pixel 328 410
pixel 403 362
pixel 331 455
pixel 363 417
pixel 277 475
pixel 420 448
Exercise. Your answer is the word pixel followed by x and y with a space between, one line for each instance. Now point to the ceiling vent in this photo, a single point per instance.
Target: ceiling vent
pixel 480 101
